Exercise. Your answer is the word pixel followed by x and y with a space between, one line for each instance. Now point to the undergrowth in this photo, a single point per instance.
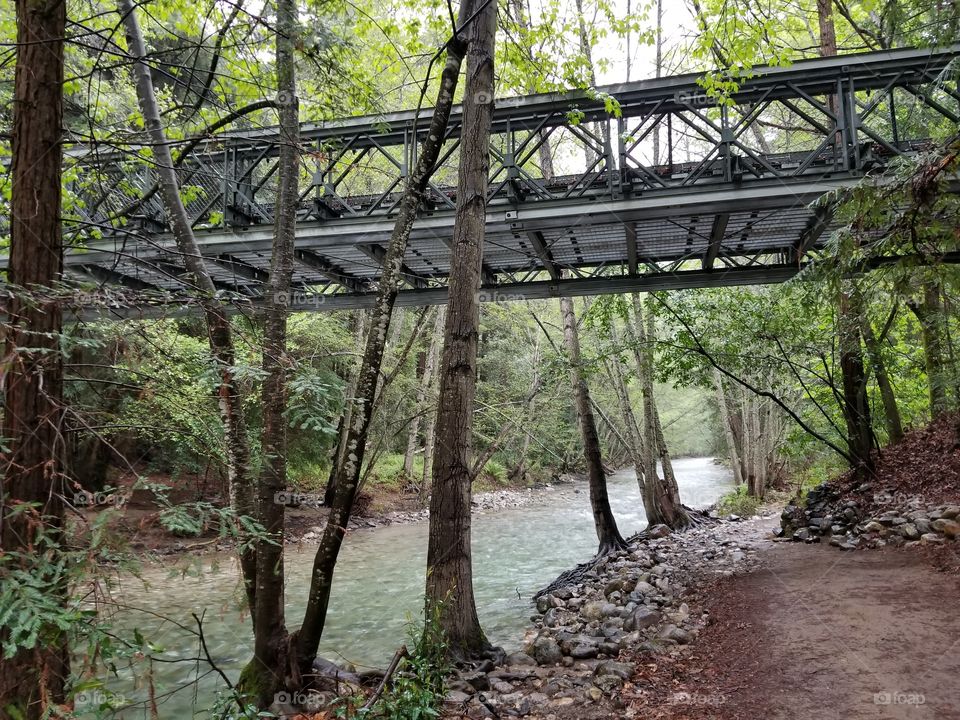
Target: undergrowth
pixel 738 502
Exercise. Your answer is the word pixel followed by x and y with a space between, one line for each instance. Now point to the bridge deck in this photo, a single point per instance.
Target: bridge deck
pixel 727 201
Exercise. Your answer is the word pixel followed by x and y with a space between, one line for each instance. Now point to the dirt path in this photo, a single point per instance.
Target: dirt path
pixel 820 633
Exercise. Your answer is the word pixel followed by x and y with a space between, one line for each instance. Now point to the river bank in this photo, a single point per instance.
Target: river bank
pixel 378 586
pixel 587 638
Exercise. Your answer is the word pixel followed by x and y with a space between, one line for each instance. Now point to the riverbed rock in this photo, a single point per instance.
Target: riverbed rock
pixel 641 619
pixel 909 531
pixel 676 634
pixel 520 659
pixel 457 697
pixel 949 528
pixel 598 610
pixel 546 651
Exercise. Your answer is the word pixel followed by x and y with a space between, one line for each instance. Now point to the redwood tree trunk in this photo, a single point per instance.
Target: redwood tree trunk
pixel 307 639
pixel 32 463
pixel 608 535
pixel 449 587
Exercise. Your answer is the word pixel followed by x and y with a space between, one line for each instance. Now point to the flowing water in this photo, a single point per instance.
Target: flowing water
pixel 379 584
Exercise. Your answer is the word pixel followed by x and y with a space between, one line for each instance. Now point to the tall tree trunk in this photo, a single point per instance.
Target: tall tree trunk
pixel 856 409
pixel 420 402
pixel 891 412
pixel 608 535
pixel 929 312
pixel 449 587
pixel 669 477
pixel 218 324
pixel 348 474
pixel 856 406
pixel 31 681
pixel 430 424
pixel 520 470
pixel 265 672
pixel 663 495
pixel 633 434
pixel 727 422
pixel 360 320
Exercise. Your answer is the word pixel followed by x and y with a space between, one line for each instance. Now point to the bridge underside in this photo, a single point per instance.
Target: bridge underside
pixel 676 192
pixel 732 236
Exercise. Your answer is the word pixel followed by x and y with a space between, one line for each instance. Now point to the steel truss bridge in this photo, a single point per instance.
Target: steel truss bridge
pixel 678 191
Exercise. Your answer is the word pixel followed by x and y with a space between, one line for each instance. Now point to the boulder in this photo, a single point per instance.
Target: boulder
pixel 641 618
pixel 677 635
pixel 546 651
pixel 949 528
pixel 909 531
pixel 520 659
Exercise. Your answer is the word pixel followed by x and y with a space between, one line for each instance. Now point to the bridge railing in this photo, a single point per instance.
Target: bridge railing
pixel 827 117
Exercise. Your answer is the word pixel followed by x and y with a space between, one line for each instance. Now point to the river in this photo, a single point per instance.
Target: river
pixel 379 584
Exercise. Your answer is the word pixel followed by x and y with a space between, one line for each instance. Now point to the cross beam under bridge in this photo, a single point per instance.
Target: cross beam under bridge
pixel 677 191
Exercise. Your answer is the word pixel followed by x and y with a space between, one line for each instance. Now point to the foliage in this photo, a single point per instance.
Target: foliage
pixel 417 689
pixel 738 502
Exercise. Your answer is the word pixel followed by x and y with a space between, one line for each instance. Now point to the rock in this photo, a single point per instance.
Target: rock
pixel 594 693
pixel 520 659
pixel 476 680
pixel 598 610
pixel 543 604
pixel 909 531
pixel 643 588
pixel 610 667
pixel 456 697
pixel 951 512
pixel 875 527
pixel 641 618
pixel 612 587
pixel 608 683
pixel 546 651
pixel 658 531
pixel 583 650
pixel 805 535
pixel 931 539
pixel 677 635
pixel 949 528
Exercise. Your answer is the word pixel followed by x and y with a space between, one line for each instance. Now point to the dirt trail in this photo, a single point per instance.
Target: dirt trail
pixel 820 633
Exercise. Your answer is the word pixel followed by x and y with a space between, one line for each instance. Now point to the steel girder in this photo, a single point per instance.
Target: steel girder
pixel 675 177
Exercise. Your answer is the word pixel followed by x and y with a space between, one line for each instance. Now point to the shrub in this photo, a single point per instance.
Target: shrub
pixel 738 502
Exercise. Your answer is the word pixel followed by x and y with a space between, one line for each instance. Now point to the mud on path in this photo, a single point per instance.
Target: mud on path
pixel 816 632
